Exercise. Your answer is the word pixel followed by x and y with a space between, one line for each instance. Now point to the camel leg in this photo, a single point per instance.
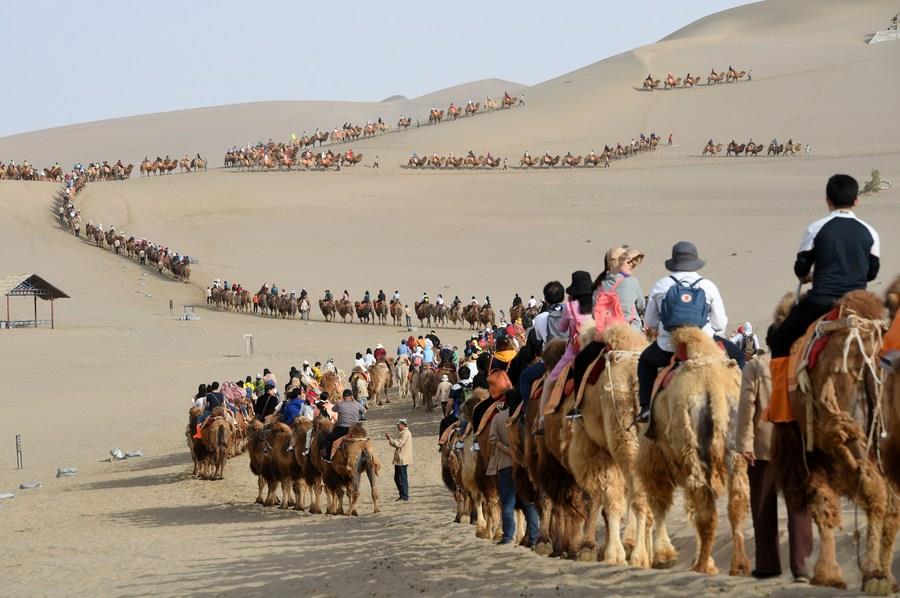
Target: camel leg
pixel 544 546
pixel 259 497
pixel 629 536
pixel 873 499
pixel 285 493
pixel 738 507
pixel 370 473
pixel 825 510
pixel 480 524
pixel 888 537
pixel 271 489
pixel 614 507
pixel 300 491
pixel 703 503
pixel 586 549
pixel 316 497
pixel 653 471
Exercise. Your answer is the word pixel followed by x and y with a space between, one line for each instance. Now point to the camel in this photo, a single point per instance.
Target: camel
pixel 332 383
pixel 482 489
pixel 691 81
pixel 470 314
pixel 261 463
pixel 404 122
pixel 472 108
pixel 839 421
pixel 328 309
pixel 354 457
pixel 455 314
pixel 572 161
pixel 415 162
pixel 732 75
pixel 891 446
pixel 451 473
pixel 216 444
pixel 381 312
pixel 424 312
pixel 651 85
pixel 345 310
pixel 528 162
pixel 352 160
pixel 604 447
pixel 435 117
pixel 711 149
pixel 549 161
pixel 364 312
pixel 691 417
pixel 753 149
pixel 792 148
pixel 735 148
pixel 287 469
pixel 402 371
pixel 714 78
pixel 672 82
pixel 396 310
pixel 775 149
pixel 486 316
pixel 379 383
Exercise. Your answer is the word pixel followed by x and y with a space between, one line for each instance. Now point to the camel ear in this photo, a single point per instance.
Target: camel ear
pixel 893 302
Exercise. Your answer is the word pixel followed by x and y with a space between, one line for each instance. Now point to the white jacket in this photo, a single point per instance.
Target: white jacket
pixel 718 320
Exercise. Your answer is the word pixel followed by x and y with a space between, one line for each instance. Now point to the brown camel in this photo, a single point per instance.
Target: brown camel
pixel 345 310
pixel 470 315
pixel 354 457
pixel 711 149
pixel 424 312
pixel 332 384
pixel 381 312
pixel 310 477
pixel 451 473
pixel 604 446
pixel 486 316
pixel 396 310
pixel 482 489
pixel 261 463
pixel 650 85
pixel 691 418
pixel 364 312
pixel 217 443
pixel 838 411
pixel 288 470
pixel 328 309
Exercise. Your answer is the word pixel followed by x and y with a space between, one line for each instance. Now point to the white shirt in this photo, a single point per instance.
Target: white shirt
pixel 540 326
pixel 718 320
pixel 369 360
pixel 360 363
pixel 532 303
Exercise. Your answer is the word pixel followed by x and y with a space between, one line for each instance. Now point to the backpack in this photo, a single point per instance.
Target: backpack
pixel 608 309
pixel 553 318
pixel 684 305
pixel 498 382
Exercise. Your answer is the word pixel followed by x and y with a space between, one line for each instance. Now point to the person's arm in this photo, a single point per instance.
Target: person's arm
pixel 874 253
pixel 639 303
pixel 651 316
pixel 806 256
pixel 718 319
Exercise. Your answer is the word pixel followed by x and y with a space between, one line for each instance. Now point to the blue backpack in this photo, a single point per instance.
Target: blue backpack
pixel 684 305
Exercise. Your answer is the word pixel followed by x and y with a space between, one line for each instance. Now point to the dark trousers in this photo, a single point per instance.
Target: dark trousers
pixel 507 502
pixel 584 359
pixel 532 522
pixel 336 432
pixel 649 363
pixel 653 358
pixel 527 378
pixel 401 478
pixel 764 509
pixel 794 326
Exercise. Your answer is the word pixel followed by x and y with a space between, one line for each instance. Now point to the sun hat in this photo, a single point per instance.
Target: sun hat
pixel 403 421
pixel 634 256
pixel 581 284
pixel 684 258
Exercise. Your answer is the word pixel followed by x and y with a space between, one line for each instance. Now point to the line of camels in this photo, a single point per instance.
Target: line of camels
pixel 592 159
pixel 167 165
pixel 281 156
pixel 94 172
pixel 751 148
pixel 598 468
pixel 671 81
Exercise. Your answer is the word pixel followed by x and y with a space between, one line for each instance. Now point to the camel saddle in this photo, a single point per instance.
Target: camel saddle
pixel 486 417
pixel 562 387
pixel 515 415
pixel 593 372
pixel 445 437
pixel 339 442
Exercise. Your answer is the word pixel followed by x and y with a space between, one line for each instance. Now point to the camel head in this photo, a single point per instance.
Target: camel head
pixel 892 298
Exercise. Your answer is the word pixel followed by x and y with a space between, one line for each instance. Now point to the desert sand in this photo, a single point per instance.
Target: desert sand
pixel 120 368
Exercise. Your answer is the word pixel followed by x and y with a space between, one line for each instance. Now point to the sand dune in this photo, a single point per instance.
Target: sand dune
pixel 120 369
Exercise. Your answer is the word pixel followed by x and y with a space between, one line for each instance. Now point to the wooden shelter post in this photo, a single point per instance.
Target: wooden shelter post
pixel 35 311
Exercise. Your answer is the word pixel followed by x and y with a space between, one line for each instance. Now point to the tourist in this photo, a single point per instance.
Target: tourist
pixel 709 314
pixel 359 362
pixel 369 359
pixel 838 254
pixel 443 393
pixel 380 353
pixel 349 413
pixel 547 323
pixel 753 441
pixel 408 314
pixel 267 401
pixel 402 458
pixel 292 407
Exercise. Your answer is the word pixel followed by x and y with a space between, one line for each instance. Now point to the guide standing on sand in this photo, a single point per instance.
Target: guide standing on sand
pixel 402 457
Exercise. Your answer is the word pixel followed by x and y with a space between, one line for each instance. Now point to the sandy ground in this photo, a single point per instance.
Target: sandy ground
pixel 119 370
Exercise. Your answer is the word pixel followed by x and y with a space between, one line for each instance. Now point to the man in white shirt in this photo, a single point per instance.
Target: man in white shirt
pixel 369 359
pixel 683 267
pixel 532 303
pixel 546 324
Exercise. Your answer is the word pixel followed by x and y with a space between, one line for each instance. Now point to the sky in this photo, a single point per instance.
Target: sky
pixel 70 62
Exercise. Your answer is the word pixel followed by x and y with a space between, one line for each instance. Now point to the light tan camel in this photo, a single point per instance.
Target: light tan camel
pixel 691 417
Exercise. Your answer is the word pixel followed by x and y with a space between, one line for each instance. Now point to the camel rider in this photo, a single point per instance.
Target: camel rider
pixel 591 154
pixel 227 286
pixel 649 78
pixel 367 297
pixel 487 301
pixel 274 290
pixel 440 300
pixel 527 155
pixel 456 301
pixel 745 340
pixel 381 296
pixel 474 301
pixel 775 141
pixel 345 296
pixel 303 294
pixel 425 300
pixel 350 154
pixel 710 142
pixel 328 295
pixel 516 300
pixel 396 297
pixel 349 413
pixel 838 254
pixel 532 303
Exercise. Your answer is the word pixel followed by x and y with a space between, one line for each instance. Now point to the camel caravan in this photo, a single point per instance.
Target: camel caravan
pixel 751 148
pixel 27 172
pixel 670 81
pixel 451 162
pixel 592 159
pixel 304 442
pixel 168 165
pixel 563 411
pixel 454 111
pixel 279 156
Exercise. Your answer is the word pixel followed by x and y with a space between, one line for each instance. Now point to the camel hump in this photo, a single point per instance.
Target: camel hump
pixel 357 431
pixel 624 337
pixel 696 342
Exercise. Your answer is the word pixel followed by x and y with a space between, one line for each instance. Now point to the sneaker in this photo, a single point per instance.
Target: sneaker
pixel 574 414
pixel 305 452
pixel 459 445
pixel 801 579
pixel 289 449
pixel 643 417
pixel 504 542
pixel 475 447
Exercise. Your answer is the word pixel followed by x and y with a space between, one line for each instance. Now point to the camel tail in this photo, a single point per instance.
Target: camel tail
pixel 891 452
pixel 448 479
pixel 710 429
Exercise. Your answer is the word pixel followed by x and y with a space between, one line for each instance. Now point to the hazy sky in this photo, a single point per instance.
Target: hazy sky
pixel 79 60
